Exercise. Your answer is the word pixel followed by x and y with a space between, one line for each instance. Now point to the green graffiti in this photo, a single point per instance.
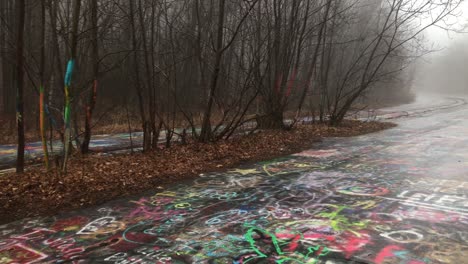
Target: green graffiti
pixel 261 232
pixel 313 253
pixel 340 222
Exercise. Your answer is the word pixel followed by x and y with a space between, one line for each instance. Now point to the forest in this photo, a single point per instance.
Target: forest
pixel 233 131
pixel 208 67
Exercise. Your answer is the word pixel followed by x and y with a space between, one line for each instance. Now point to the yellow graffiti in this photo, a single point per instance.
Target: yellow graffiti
pixel 365 204
pixel 182 205
pixel 167 193
pixel 245 172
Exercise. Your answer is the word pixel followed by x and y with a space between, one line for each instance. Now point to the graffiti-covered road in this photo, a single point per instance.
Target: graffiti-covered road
pixel 397 196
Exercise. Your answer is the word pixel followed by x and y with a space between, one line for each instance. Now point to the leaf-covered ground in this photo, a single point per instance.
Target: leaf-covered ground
pixel 95 179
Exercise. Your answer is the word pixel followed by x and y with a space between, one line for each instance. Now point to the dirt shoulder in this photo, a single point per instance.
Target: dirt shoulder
pixel 95 179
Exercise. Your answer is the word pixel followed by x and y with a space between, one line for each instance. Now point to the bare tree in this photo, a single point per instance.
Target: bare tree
pixel 21 10
pixel 220 49
pixel 42 77
pixel 93 5
pixel 68 81
pixel 380 54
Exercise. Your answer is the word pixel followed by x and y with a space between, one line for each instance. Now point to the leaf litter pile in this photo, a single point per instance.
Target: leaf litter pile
pixel 95 179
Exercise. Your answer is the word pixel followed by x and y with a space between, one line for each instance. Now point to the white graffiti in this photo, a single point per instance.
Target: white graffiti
pixel 103 225
pixel 403 236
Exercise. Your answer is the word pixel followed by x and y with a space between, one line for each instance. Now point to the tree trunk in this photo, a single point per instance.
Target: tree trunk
pixel 205 133
pixel 7 58
pixel 42 92
pixel 150 122
pixel 93 90
pixel 314 57
pixel 68 77
pixel 273 120
pixel 20 84
pixel 138 86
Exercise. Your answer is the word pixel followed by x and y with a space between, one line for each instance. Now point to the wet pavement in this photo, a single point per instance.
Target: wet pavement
pixel 397 196
pixel 99 143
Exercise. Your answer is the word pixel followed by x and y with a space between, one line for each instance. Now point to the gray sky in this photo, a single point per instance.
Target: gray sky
pixel 443 39
pixel 445 70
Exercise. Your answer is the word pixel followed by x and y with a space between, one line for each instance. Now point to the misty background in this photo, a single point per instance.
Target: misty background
pixel 444 70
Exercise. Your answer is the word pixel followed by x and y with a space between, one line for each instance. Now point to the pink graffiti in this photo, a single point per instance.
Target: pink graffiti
pixel 154 213
pixel 398 252
pixel 66 246
pixel 34 235
pixel 429 215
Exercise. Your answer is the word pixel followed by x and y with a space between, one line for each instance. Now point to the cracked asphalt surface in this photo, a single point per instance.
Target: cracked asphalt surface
pixel 396 196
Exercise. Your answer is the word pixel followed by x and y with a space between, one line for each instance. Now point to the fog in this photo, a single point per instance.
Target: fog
pixel 444 69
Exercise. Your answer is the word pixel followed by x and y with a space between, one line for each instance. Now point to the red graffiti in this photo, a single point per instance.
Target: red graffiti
pixel 386 252
pixel 349 243
pixel 64 224
pixel 278 83
pixel 20 253
pixel 291 83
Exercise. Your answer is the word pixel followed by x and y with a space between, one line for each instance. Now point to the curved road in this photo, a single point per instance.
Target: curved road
pixel 397 196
